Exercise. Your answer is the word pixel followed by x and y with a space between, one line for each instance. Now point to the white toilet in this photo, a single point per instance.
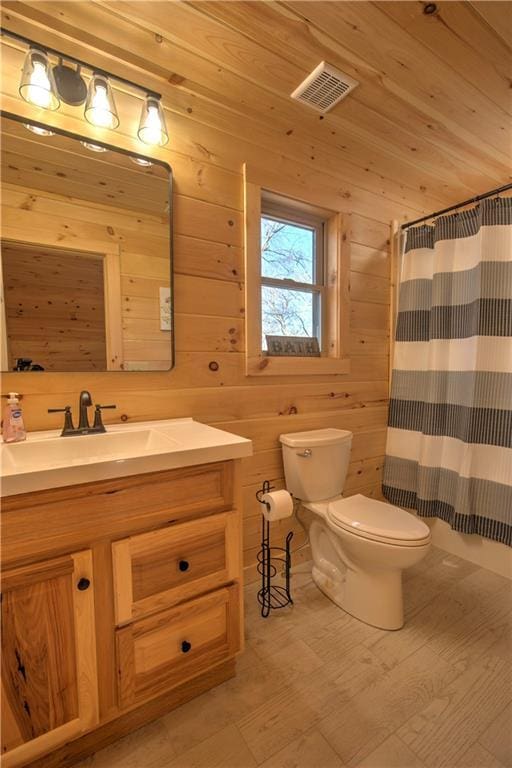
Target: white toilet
pixel 360 546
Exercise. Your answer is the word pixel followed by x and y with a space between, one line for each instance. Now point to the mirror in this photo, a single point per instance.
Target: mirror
pixel 86 254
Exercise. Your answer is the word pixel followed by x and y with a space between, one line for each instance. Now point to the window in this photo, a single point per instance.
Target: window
pixel 292 272
pixel 297 261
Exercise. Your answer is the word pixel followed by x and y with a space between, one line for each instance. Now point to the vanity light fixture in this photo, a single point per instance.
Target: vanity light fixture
pixel 38 130
pixel 100 107
pixel 93 147
pixel 152 128
pixel 37 84
pixel 71 86
pixel 46 85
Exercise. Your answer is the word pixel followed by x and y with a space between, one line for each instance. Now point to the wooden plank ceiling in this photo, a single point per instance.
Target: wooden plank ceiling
pixel 430 118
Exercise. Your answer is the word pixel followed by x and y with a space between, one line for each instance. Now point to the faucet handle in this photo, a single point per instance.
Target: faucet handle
pixel 68 419
pixel 98 421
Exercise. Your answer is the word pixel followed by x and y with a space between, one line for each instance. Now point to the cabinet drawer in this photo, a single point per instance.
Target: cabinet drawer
pixel 155 570
pixel 162 651
pixel 64 519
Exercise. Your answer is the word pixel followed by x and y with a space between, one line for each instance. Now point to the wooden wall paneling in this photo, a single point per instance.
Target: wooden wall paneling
pixel 368 260
pixel 265 432
pixel 114 331
pixel 57 178
pixel 273 142
pixel 338 265
pixel 346 197
pixel 369 288
pixel 206 258
pixel 120 242
pixel 53 231
pixel 203 296
pixel 209 333
pixel 145 183
pixel 209 114
pixel 421 154
pixel 223 404
pixel 55 314
pixel 69 207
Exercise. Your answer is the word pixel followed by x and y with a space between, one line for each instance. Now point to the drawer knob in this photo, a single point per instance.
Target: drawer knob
pixel 83 584
pixel 183 565
pixel 186 646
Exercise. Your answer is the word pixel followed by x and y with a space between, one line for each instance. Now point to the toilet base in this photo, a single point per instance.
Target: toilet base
pixel 374 598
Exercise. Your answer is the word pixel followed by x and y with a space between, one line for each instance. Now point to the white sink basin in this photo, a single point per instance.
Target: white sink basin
pixel 62 452
pixel 47 460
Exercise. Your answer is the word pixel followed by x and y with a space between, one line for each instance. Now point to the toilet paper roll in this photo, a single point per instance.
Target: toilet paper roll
pixel 278 504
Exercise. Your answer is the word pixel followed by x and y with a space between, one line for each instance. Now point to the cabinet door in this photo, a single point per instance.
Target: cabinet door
pixel 155 570
pixel 49 680
pixel 164 650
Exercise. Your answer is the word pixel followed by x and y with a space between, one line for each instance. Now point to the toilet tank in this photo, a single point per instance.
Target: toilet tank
pixel 316 462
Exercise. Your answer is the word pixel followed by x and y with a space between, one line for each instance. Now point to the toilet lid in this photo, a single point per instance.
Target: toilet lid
pixel 377 520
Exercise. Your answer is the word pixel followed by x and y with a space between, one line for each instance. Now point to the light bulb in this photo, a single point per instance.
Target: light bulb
pixel 37 84
pixel 38 131
pixel 141 161
pixel 100 109
pixel 152 128
pixel 38 91
pixel 100 113
pixel 93 147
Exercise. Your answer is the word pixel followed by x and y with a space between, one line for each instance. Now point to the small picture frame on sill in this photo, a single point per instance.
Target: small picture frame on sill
pixel 292 346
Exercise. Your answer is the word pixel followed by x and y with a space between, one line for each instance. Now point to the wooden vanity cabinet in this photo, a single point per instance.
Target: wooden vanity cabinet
pixel 49 675
pixel 121 599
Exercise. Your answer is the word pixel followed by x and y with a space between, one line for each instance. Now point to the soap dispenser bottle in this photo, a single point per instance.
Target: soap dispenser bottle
pixel 13 428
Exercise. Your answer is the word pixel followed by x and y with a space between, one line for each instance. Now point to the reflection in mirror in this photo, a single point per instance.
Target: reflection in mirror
pixel 86 256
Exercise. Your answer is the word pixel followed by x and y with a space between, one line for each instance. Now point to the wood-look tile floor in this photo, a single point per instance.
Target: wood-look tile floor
pixel 318 689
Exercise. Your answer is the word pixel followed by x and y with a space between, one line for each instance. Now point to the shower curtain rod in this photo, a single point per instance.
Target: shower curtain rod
pixel 459 205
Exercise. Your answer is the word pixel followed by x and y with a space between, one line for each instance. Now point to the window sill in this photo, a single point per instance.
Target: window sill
pixel 265 365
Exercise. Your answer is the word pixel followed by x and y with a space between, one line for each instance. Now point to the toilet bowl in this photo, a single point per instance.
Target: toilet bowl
pixel 359 546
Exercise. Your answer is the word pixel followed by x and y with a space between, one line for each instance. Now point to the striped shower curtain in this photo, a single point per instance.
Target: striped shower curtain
pixel 449 444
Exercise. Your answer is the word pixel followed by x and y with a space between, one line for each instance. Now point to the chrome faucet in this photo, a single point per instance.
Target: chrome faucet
pixel 84 428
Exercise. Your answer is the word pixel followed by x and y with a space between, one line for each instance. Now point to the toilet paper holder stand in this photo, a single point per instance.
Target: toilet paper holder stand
pixel 272 596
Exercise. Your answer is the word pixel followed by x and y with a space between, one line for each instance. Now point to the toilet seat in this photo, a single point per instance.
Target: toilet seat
pixel 378 521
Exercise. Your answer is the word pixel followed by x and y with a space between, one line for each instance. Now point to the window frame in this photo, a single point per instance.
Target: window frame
pixel 278 210
pixel 334 358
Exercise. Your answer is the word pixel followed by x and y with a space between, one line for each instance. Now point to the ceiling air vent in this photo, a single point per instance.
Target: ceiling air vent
pixel 324 87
